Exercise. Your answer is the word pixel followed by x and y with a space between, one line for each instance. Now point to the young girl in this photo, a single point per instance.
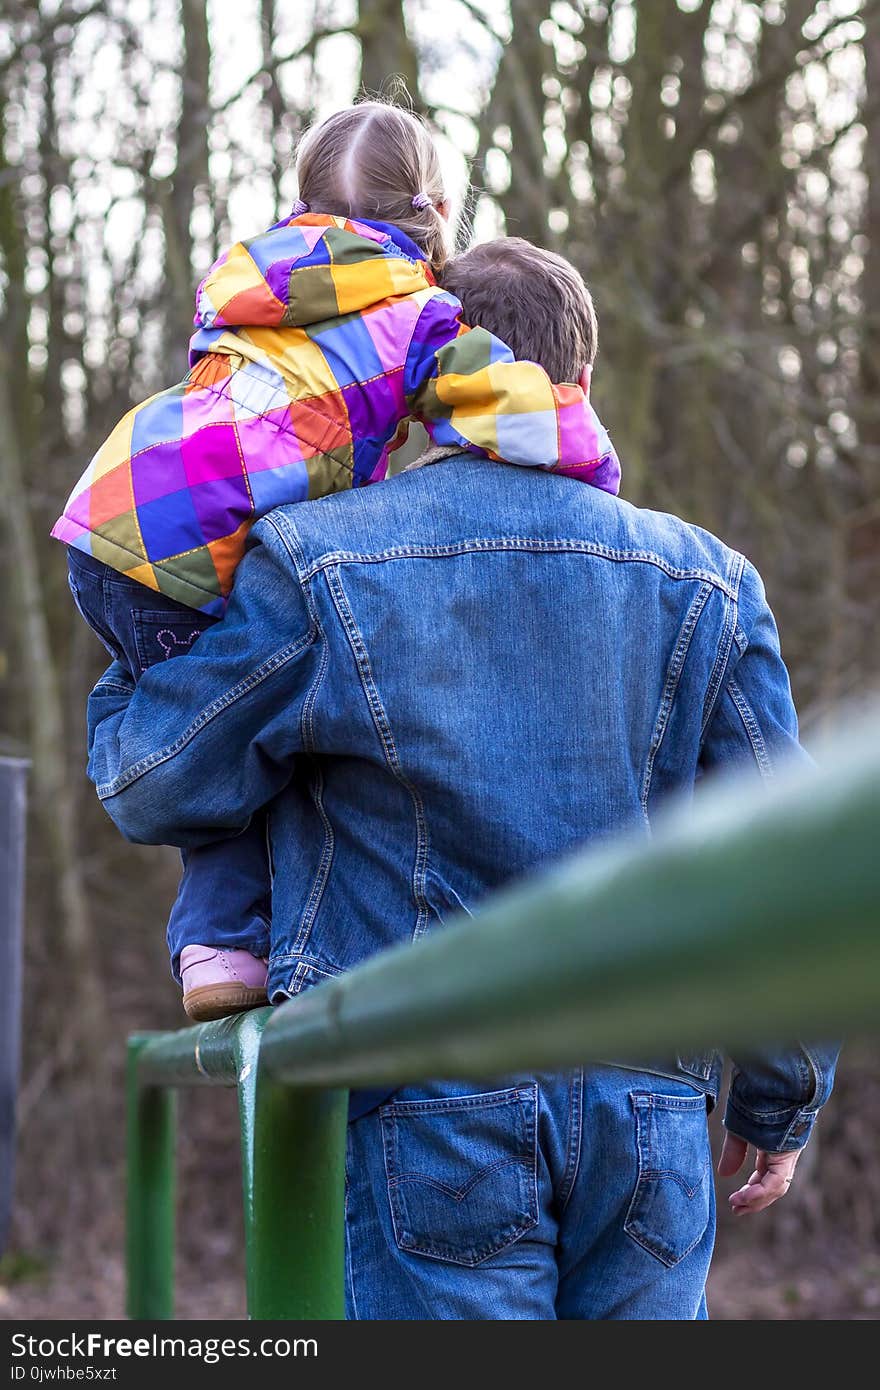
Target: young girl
pixel 315 342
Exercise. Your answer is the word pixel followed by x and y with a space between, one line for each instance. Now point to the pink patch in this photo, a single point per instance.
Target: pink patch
pixel 390 329
pixel 578 436
pixel 66 530
pixel 78 510
pixel 370 233
pixel 268 441
pixel 206 406
pixel 211 454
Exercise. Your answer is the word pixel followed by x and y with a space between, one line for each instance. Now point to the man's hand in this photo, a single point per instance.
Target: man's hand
pixel 770 1180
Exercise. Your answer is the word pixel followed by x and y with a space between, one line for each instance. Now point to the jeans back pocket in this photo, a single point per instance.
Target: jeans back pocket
pixel 462 1172
pixel 159 636
pixel 670 1208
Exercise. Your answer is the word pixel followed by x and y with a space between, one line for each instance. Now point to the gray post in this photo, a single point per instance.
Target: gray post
pixel 13 772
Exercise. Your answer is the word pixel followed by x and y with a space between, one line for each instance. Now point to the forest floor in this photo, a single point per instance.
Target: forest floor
pixel 827 1286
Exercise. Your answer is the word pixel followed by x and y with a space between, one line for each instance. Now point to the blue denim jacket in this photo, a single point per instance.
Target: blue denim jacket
pixel 440 683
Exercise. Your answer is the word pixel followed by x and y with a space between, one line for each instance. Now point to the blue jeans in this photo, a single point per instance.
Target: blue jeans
pixel 586 1196
pixel 224 897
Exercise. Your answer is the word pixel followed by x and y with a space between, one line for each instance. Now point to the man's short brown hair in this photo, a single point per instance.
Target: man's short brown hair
pixel 532 299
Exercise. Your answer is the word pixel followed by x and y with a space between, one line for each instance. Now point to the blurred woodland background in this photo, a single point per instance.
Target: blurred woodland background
pixel 713 168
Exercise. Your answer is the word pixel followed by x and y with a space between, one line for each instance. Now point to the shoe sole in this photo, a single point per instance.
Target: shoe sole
pixel 208 1002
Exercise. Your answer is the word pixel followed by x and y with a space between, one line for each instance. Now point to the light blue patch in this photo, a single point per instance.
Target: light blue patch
pixel 349 351
pixel 256 389
pixel 279 244
pixel 203 340
pixel 205 312
pixel 159 421
pixel 529 439
pixel 498 351
pixel 275 487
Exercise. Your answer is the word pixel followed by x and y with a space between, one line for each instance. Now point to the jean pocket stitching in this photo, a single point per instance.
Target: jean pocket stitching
pixel 440 1105
pixel 653 1174
pixel 652 1247
pixel 644 1104
pixel 458 1194
pixel 501 1236
pixel 153 626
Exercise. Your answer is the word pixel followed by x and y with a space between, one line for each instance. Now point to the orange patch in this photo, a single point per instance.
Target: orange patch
pixel 110 496
pixel 254 305
pixel 227 553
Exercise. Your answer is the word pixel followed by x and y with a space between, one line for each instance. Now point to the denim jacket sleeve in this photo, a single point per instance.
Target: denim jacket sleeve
pixel 775 1095
pixel 203 742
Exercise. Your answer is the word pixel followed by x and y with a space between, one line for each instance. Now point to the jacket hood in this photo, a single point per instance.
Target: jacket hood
pixel 306 270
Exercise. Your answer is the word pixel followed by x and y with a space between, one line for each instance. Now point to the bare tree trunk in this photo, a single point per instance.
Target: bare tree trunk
pixel 56 797
pixel 870 345
pixel 55 793
pixel 273 96
pixel 647 154
pixel 192 173
pixel 386 48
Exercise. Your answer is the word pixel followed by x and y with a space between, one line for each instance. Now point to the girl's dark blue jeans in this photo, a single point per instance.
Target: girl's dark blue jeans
pixel 224 897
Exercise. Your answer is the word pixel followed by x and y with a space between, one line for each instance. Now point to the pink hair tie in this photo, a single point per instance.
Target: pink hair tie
pixel 422 201
pixel 299 208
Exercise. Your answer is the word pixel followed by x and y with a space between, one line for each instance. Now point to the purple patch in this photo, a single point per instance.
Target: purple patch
pixel 221 506
pixel 211 453
pixel 169 525
pixel 157 472
pixel 375 408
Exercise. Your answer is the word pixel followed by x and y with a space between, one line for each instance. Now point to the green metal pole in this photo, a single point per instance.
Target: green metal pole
pixel 151 1126
pixel 293 1168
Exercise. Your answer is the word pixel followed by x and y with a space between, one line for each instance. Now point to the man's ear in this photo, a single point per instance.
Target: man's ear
pixel 444 208
pixel 584 380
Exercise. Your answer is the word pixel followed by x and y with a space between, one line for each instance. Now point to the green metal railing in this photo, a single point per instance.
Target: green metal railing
pixel 755 915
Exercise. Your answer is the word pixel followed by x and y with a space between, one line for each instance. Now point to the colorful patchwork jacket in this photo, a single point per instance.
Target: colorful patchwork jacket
pixel 314 343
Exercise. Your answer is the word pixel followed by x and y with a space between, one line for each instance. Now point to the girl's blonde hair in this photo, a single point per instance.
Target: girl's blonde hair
pixel 377 160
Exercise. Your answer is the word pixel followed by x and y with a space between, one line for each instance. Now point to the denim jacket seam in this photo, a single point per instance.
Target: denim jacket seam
pixel 386 738
pixel 752 728
pixel 814 1104
pixel 673 678
pixel 322 873
pixel 336 558
pixel 725 642
pixel 289 539
pixel 244 687
pixel 575 1121
pixel 735 572
pixel 117 687
pixel 306 962
pixel 762 1116
pixel 800 1128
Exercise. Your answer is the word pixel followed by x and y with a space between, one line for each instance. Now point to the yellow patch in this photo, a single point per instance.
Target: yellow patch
pixel 299 360
pixel 363 285
pixel 481 430
pixel 237 273
pixel 520 387
pixel 116 448
pixel 143 574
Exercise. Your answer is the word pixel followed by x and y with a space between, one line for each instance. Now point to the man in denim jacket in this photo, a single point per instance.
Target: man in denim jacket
pixel 440 684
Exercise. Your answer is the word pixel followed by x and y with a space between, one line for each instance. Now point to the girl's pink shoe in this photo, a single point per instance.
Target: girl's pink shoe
pixel 218 982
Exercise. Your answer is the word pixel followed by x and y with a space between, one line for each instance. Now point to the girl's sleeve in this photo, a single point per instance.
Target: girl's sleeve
pixel 467 389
